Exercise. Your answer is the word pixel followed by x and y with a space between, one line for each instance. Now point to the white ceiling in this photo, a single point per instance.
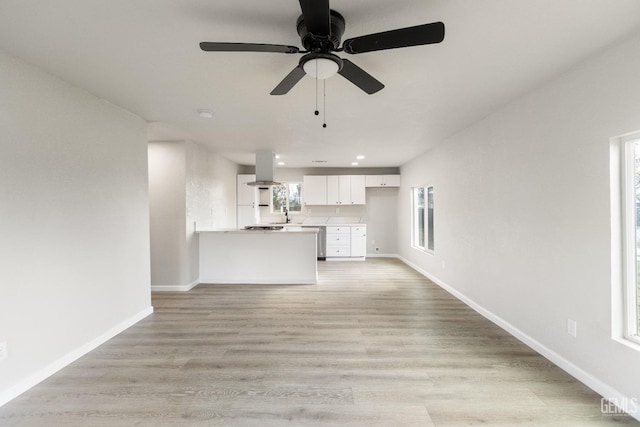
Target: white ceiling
pixel 143 55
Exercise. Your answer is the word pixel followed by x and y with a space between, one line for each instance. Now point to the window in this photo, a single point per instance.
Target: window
pixel 286 196
pixel 423 236
pixel 630 199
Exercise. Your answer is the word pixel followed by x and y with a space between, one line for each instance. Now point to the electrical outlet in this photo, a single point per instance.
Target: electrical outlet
pixel 572 327
pixel 4 352
pixel 373 242
pixel 443 264
pixel 337 210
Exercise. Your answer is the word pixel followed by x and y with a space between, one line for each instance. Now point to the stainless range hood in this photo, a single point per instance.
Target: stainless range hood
pixel 265 169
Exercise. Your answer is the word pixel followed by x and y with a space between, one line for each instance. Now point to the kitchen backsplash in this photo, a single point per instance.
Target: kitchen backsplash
pixel 315 211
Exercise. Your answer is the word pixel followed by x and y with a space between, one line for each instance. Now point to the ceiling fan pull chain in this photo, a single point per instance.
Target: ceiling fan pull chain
pixel 324 103
pixel 316 112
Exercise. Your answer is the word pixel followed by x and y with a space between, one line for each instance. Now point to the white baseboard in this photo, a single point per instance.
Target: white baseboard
pixel 581 375
pixel 41 375
pixel 379 255
pixel 175 288
pixel 214 281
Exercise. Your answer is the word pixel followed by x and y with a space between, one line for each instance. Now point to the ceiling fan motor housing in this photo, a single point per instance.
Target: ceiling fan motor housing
pixel 321 30
pixel 322 43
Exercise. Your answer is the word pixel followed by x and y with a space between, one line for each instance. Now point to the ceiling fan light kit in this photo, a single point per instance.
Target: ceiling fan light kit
pixel 320 67
pixel 320 30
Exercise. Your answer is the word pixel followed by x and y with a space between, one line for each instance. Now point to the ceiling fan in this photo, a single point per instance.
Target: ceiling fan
pixel 320 30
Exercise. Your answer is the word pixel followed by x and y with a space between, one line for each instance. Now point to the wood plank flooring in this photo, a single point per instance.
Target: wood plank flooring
pixel 373 344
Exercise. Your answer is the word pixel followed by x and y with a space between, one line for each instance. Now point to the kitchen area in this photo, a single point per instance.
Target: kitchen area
pixel 275 218
pixel 262 224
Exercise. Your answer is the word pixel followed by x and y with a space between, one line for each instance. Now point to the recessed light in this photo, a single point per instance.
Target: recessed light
pixel 277 156
pixel 280 163
pixel 354 164
pixel 360 157
pixel 205 114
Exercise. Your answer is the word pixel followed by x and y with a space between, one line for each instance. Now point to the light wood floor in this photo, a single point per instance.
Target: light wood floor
pixel 374 344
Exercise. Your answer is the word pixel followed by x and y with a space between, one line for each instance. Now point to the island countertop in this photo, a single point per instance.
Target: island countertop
pixel 286 229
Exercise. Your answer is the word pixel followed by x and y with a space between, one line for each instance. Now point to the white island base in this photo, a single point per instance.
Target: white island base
pixel 260 257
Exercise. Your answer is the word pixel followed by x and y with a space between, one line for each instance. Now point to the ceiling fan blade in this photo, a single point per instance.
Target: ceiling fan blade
pixel 359 77
pixel 402 37
pixel 288 82
pixel 247 47
pixel 316 16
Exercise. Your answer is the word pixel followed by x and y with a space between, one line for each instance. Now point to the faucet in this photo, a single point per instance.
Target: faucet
pixel 286 216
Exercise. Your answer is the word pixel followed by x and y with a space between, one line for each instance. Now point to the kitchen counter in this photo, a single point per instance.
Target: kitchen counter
pixel 347 224
pixel 288 228
pixel 283 257
pixel 298 220
pixel 341 238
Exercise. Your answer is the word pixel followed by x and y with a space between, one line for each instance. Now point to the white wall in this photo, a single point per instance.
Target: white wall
pixel 522 215
pixel 74 222
pixel 210 197
pixel 381 218
pixel 188 184
pixel 167 213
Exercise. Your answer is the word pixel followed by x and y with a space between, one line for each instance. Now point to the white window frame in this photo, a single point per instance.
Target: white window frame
pixel 425 225
pixel 430 233
pixel 630 254
pixel 288 208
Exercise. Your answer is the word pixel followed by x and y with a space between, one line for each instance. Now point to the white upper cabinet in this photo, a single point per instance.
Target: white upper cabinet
pixel 246 195
pixel 358 195
pixel 346 190
pixel 334 195
pixel 314 190
pixel 383 180
pixel 334 190
pixel 391 180
pixel 373 180
pixel 338 190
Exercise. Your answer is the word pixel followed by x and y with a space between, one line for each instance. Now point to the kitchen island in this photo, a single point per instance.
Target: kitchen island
pixel 286 256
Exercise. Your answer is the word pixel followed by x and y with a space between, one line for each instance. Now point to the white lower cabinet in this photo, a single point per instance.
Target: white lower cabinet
pixel 359 241
pixel 338 241
pixel 346 241
pixel 338 251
